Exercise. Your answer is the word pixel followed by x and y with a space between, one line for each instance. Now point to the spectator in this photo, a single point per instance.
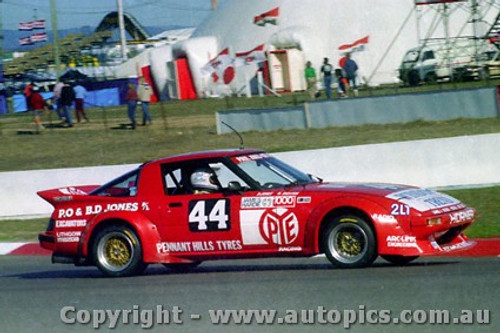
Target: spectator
pixel 28 89
pixel 131 98
pixel 351 69
pixel 342 83
pixel 144 94
pixel 310 74
pixel 80 94
pixel 326 70
pixel 38 107
pixel 57 100
pixel 67 98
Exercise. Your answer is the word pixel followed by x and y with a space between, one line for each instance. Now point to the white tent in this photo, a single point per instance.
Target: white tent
pixel 379 31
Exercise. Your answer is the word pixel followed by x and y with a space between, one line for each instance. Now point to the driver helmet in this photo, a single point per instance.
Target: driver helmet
pixel 203 179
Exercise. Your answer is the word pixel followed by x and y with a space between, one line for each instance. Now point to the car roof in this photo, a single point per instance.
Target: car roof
pixel 206 154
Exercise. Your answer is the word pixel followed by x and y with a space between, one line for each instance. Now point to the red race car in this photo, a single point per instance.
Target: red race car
pixel 227 204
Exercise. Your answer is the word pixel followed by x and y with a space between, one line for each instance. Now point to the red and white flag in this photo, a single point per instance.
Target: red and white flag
pixel 26 26
pixel 39 37
pixel 220 67
pixel 430 2
pixel 25 41
pixel 267 17
pixel 357 46
pixel 38 24
pixel 254 56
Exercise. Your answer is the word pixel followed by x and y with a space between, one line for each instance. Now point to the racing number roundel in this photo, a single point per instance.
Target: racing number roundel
pixel 279 226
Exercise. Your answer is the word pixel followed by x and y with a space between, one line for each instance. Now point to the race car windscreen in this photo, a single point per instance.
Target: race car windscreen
pixel 269 172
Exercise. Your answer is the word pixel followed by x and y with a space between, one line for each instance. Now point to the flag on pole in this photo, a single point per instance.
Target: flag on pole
pixel 267 17
pixel 38 24
pixel 39 37
pixel 25 26
pixel 25 41
pixel 357 46
pixel 253 56
pixel 220 67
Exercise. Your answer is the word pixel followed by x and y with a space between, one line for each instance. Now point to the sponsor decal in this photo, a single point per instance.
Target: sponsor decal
pixel 268 202
pixel 289 249
pixel 279 226
pixel 424 199
pixel 401 241
pixel 70 223
pixel 304 200
pixel 463 216
pixel 454 247
pixel 248 158
pixel 400 209
pixel 384 218
pixel 68 236
pixel 96 209
pixel 209 215
pixel 199 246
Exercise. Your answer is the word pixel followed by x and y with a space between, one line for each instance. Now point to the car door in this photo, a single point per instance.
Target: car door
pixel 197 224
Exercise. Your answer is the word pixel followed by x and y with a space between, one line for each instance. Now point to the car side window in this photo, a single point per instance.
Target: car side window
pixel 428 55
pixel 173 181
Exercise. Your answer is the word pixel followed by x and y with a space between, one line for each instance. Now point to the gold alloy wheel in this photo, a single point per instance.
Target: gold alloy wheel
pixel 115 251
pixel 348 242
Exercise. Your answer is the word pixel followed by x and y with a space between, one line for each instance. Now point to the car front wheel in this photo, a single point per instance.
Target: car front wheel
pixel 349 242
pixel 117 252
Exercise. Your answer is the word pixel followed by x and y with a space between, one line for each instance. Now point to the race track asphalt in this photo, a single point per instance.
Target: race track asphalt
pixel 33 292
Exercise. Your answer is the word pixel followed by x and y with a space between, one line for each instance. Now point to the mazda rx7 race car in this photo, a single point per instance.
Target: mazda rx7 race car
pixel 227 204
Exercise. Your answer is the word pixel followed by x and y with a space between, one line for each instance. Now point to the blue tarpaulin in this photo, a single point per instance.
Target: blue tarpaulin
pixel 95 98
pixel 3 105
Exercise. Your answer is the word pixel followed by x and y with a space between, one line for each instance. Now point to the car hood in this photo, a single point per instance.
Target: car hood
pixel 421 199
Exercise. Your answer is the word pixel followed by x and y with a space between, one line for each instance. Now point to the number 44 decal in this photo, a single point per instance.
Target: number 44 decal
pixel 209 215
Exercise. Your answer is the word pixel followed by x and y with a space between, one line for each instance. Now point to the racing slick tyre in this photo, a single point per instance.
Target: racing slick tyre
pixel 398 260
pixel 182 267
pixel 349 242
pixel 117 252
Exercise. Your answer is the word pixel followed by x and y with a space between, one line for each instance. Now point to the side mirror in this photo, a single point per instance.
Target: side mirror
pixel 234 186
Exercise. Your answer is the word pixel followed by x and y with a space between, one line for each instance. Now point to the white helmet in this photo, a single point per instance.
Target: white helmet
pixel 204 179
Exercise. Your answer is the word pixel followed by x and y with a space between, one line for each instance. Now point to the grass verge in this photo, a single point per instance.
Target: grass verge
pixel 483 199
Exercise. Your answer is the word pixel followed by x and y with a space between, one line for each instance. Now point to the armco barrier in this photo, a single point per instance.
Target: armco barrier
pixel 466 160
pixel 441 105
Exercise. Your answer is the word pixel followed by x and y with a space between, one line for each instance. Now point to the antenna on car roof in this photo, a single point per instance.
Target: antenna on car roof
pixel 237 133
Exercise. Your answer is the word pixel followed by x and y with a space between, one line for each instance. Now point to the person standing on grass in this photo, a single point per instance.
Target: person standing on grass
pixel 144 93
pixel 351 69
pixel 57 100
pixel 326 70
pixel 131 97
pixel 38 106
pixel 28 90
pixel 67 98
pixel 80 94
pixel 310 74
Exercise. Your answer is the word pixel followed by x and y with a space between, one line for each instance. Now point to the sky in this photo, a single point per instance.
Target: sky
pixel 78 13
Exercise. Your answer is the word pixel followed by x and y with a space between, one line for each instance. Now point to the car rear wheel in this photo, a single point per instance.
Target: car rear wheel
pixel 349 242
pixel 117 252
pixel 398 260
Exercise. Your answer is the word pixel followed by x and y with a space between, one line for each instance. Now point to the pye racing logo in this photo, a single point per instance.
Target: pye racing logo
pixel 279 226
